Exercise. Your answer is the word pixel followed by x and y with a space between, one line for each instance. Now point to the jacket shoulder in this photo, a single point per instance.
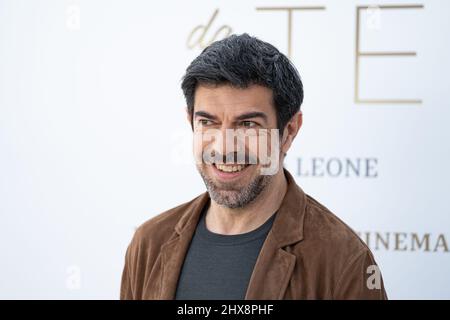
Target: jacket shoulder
pixel 325 229
pixel 335 254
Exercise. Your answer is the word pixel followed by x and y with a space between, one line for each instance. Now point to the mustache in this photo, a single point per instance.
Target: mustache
pixel 230 158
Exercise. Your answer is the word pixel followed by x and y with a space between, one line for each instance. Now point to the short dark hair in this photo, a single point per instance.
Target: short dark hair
pixel 243 60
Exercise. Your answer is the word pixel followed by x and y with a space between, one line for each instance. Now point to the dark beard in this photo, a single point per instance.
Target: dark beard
pixel 232 197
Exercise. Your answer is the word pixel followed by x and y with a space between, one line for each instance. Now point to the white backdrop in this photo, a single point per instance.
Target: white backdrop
pixel 94 141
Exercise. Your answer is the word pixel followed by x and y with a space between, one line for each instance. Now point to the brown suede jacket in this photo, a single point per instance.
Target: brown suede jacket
pixel 308 254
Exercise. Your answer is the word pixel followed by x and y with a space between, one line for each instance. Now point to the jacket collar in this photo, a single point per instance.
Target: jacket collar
pixel 288 224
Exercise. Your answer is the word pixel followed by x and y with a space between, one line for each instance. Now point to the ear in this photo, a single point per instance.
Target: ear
pixel 291 130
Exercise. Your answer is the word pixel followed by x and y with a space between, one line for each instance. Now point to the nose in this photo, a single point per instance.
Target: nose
pixel 221 145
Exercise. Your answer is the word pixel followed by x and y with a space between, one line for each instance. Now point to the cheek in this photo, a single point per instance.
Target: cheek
pixel 268 146
pixel 197 149
pixel 203 152
pixel 252 150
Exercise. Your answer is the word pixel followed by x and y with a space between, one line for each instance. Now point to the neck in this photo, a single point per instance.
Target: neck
pixel 224 220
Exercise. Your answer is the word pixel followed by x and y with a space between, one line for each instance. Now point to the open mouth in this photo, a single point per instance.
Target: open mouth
pixel 229 171
pixel 230 168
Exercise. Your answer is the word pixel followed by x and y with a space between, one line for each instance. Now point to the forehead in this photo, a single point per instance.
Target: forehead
pixel 225 99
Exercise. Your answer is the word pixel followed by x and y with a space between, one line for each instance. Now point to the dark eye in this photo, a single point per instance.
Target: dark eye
pixel 248 124
pixel 205 122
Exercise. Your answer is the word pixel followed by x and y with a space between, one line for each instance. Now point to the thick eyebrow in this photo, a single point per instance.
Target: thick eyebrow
pixel 205 115
pixel 244 116
pixel 250 115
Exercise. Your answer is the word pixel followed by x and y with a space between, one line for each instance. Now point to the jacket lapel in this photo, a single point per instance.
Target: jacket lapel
pixel 271 274
pixel 174 251
pixel 274 266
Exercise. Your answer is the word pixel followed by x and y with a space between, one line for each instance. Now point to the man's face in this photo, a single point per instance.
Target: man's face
pixel 223 110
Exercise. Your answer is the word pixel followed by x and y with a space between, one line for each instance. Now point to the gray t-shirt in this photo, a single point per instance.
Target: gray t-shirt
pixel 219 266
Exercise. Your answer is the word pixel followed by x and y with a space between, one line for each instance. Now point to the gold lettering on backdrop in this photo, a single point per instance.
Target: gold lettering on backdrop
pixel 289 11
pixel 403 241
pixel 379 239
pixel 202 30
pixel 359 54
pixel 425 242
pixel 441 242
pixel 399 241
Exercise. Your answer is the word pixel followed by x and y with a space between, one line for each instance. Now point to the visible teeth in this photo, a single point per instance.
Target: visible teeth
pixel 229 168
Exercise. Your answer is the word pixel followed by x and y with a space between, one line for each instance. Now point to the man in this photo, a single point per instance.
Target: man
pixel 254 234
